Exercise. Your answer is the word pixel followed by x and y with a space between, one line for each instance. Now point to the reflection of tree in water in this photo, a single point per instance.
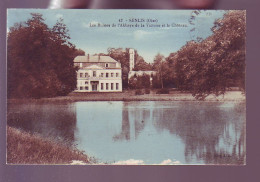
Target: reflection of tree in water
pixel 140 118
pixel 48 120
pixel 204 128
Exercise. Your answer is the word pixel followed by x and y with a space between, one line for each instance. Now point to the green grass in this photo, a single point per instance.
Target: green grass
pixel 25 148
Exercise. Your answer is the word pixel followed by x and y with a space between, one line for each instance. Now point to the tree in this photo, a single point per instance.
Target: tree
pixel 169 71
pixel 39 59
pixel 230 48
pixel 158 65
pixel 79 52
pixel 63 57
pixel 140 64
pixel 121 55
pixel 216 63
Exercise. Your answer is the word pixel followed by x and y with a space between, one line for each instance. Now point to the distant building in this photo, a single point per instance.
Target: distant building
pixel 98 74
pixel 137 73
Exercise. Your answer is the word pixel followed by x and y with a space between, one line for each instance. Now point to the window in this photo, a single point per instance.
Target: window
pixel 102 86
pixel 106 65
pixel 86 82
pixel 106 86
pixel 107 75
pixel 86 74
pixel 81 88
pixel 112 86
pixel 86 88
pixel 81 75
pixel 112 74
pixel 117 75
pixel 117 86
pixel 102 74
pixel 94 73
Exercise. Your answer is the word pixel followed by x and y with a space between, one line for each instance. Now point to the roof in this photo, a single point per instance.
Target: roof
pixel 90 59
pixel 98 67
pixel 94 66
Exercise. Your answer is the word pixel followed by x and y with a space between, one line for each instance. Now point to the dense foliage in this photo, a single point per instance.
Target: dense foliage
pixel 139 82
pixel 40 59
pixel 212 65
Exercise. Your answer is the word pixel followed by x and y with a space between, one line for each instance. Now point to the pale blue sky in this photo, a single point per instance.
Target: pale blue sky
pixel 147 41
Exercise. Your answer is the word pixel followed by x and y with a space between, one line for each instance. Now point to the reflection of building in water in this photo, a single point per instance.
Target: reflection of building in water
pixel 98 74
pixel 133 122
pixel 141 118
pixel 125 130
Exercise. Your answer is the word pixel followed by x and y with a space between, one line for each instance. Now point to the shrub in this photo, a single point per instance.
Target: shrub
pixel 139 92
pixel 163 91
pixel 147 91
pixel 139 82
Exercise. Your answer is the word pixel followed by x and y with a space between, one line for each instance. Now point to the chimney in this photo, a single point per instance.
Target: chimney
pixel 88 57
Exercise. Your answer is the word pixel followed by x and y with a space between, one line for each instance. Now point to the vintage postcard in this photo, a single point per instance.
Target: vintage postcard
pixel 126 87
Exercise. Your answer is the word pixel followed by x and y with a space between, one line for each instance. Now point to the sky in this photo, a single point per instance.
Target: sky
pixel 148 40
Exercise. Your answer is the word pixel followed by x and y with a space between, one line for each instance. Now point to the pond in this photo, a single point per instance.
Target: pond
pixel 141 132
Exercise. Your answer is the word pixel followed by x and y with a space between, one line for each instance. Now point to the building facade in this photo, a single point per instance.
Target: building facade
pixel 98 74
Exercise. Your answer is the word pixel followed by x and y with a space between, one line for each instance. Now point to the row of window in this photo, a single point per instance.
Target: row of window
pixel 82 83
pixel 102 86
pixel 111 86
pixel 81 75
pixel 83 88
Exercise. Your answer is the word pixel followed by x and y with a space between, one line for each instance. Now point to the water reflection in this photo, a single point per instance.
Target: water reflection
pixel 56 121
pixel 139 117
pixel 125 130
pixel 150 132
pixel 210 132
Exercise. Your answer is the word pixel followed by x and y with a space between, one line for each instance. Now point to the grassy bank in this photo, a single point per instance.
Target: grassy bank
pixel 129 95
pixel 25 148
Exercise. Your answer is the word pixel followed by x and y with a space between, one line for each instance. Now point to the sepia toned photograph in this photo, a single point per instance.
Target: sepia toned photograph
pixel 126 87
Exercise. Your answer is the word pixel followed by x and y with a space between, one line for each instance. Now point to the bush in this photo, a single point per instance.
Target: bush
pixel 147 91
pixel 139 82
pixel 163 91
pixel 139 92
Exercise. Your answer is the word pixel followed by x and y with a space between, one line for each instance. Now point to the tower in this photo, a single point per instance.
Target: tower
pixel 131 59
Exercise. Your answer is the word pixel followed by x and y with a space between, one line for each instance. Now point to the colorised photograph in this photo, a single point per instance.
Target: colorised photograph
pixel 126 87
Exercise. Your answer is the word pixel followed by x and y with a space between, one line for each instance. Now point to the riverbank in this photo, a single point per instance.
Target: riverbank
pixel 129 95
pixel 25 148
